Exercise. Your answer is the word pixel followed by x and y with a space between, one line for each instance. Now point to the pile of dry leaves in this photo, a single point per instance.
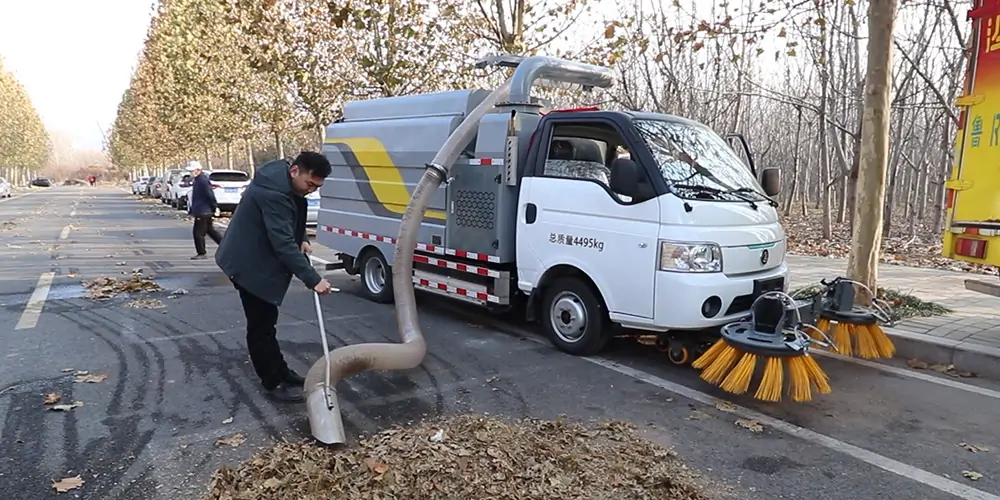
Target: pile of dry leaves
pixel 107 287
pixel 468 457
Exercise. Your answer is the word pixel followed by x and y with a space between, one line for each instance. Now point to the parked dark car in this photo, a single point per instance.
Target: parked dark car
pixel 41 182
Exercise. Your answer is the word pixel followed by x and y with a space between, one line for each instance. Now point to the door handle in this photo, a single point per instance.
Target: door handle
pixel 530 213
pixel 642 245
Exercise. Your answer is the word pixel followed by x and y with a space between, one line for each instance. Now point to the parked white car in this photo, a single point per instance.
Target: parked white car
pixel 181 192
pixel 6 190
pixel 139 185
pixel 170 181
pixel 156 187
pixel 228 186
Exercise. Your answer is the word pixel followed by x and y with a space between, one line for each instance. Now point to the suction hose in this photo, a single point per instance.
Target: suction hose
pixel 324 410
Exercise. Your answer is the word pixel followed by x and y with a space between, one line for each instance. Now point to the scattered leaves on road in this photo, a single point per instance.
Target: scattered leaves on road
pixel 949 370
pixel 725 406
pixel 52 398
pixel 973 447
pixel 482 458
pixel 87 378
pixel 750 425
pixel 107 287
pixel 177 293
pixel 69 407
pixel 228 420
pixel 67 484
pixel 145 303
pixel 233 440
pixel 66 370
pixel 971 475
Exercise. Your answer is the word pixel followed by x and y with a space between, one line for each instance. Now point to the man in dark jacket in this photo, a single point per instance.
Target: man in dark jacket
pixel 264 246
pixel 201 206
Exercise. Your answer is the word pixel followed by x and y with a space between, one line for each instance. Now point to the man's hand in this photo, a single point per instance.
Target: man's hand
pixel 306 248
pixel 323 287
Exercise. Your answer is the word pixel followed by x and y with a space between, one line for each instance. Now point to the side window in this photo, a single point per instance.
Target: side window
pixel 586 152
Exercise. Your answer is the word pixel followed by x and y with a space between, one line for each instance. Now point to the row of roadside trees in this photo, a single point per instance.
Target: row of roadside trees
pixel 24 141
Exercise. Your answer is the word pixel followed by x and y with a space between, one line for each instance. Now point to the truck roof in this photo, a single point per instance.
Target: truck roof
pixel 641 115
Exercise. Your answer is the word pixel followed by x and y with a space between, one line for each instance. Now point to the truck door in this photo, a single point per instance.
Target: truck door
pixel 568 214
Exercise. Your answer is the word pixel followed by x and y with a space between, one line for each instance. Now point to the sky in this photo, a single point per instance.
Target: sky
pixel 75 58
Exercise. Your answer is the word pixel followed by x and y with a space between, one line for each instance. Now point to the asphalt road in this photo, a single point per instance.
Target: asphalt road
pixel 175 375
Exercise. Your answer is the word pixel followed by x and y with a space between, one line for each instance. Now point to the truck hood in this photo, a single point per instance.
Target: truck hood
pixel 743 233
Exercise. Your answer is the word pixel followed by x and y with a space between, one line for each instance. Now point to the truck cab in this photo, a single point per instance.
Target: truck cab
pixel 652 218
pixel 591 221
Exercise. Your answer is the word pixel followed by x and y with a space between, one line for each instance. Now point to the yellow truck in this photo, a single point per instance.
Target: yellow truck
pixel 972 193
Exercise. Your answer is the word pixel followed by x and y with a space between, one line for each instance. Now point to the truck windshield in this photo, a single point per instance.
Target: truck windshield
pixel 697 162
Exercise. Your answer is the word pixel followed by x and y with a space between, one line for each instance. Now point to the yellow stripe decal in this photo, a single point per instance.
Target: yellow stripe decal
pixel 383 175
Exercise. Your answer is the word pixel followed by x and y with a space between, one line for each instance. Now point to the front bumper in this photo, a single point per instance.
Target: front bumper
pixel 679 297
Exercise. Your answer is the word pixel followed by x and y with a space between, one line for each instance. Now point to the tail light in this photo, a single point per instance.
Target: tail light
pixel 216 186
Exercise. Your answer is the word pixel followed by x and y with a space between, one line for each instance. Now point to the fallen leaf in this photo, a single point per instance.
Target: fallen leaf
pixel 228 420
pixel 69 407
pixel 91 379
pixel 725 406
pixel 52 398
pixel 698 415
pixel 750 425
pixel 67 483
pixel 973 448
pixel 66 370
pixel 917 364
pixel 377 466
pixel 81 372
pixel 233 440
pixel 971 475
pixel 272 483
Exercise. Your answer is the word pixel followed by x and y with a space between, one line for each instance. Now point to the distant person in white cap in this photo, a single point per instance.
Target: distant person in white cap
pixel 202 206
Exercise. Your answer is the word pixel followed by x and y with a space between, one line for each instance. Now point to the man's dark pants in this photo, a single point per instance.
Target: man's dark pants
pixel 265 354
pixel 203 226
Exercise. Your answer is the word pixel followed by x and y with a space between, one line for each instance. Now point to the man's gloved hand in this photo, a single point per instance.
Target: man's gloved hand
pixel 323 287
pixel 307 248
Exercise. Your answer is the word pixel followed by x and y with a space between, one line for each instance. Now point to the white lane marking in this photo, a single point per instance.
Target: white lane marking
pixel 885 463
pixel 924 377
pixel 33 309
pixel 65 232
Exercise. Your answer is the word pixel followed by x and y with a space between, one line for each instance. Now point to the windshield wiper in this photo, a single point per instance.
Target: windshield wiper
pixel 739 193
pixel 770 201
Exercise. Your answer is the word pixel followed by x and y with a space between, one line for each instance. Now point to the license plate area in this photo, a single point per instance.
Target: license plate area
pixel 232 190
pixel 313 203
pixel 760 287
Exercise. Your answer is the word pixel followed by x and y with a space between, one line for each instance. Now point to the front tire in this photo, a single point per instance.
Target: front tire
pixel 574 318
pixel 376 277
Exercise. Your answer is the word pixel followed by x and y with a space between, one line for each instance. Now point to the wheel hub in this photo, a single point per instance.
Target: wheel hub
pixel 374 275
pixel 569 317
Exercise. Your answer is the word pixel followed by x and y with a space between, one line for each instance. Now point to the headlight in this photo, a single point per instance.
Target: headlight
pixel 690 257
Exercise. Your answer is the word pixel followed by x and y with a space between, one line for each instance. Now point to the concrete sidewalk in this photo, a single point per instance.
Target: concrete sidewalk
pixel 968 338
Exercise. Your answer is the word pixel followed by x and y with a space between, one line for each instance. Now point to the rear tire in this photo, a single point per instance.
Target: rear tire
pixel 376 276
pixel 574 318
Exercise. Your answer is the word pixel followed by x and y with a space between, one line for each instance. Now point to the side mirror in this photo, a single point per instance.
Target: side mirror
pixel 770 180
pixel 624 177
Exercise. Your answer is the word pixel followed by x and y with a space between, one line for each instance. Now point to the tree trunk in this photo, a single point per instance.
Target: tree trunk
pixel 279 148
pixel 208 159
pixel 866 238
pixel 250 164
pixel 229 155
pixel 795 160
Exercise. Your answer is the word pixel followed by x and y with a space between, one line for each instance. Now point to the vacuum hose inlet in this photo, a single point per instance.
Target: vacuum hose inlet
pixel 353 359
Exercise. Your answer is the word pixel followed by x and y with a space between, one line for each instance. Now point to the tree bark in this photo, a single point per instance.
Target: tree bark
pixel 866 238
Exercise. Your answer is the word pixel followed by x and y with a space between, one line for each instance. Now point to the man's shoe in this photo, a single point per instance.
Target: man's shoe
pixel 287 393
pixel 199 257
pixel 294 378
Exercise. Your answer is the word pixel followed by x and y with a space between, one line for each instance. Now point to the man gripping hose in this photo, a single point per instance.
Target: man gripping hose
pixel 264 247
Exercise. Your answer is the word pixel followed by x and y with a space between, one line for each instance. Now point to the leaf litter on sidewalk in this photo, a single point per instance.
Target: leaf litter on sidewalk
pixel 472 457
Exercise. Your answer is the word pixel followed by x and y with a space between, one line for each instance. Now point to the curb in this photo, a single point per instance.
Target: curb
pixel 982 360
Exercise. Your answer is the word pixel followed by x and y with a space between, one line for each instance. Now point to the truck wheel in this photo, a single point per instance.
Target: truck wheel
pixel 574 318
pixel 376 277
